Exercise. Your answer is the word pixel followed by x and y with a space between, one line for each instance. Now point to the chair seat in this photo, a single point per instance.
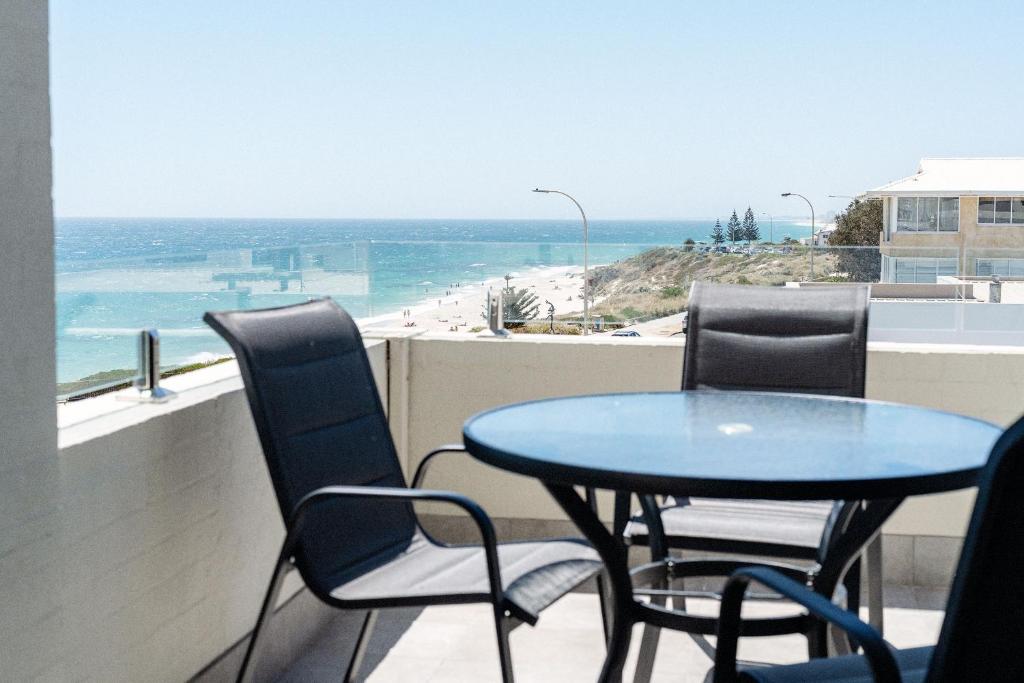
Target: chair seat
pixel 913 664
pixel 534 574
pixel 724 522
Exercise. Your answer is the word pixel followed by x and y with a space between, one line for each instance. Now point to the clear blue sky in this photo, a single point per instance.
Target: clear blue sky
pixel 457 109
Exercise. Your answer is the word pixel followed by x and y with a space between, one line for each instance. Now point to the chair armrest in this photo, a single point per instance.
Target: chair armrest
pixel 880 658
pixel 421 470
pixel 483 522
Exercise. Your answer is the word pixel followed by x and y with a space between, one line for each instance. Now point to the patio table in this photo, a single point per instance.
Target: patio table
pixel 726 445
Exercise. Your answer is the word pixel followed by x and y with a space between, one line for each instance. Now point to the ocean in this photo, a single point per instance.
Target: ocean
pixel 118 275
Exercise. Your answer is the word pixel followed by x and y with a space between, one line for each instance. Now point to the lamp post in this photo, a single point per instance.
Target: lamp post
pixel 771 222
pixel 586 265
pixel 794 194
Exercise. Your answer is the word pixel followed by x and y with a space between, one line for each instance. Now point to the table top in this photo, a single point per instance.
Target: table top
pixel 733 444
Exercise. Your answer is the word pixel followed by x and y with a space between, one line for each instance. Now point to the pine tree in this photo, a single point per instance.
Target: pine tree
pixel 750 231
pixel 733 230
pixel 520 304
pixel 717 236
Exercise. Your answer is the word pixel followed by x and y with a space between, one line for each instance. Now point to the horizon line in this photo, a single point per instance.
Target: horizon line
pixel 392 218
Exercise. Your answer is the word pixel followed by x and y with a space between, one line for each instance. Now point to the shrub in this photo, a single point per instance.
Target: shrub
pixel 630 312
pixel 535 328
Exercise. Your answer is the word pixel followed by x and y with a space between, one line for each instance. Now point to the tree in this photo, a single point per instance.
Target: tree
pixel 733 230
pixel 520 304
pixel 750 230
pixel 858 226
pixel 689 244
pixel 717 236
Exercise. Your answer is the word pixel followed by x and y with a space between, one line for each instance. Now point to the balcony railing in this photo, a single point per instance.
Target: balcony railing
pixel 102 304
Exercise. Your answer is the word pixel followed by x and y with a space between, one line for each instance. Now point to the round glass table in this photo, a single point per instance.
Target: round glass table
pixel 726 444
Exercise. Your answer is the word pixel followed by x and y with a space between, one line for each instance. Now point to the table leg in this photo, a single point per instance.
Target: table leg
pixel 873 557
pixel 614 555
pixel 859 536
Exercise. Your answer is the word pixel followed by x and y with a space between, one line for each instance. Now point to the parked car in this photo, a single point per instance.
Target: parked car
pixel 625 333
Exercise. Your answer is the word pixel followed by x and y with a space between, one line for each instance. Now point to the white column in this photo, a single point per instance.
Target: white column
pixel 31 558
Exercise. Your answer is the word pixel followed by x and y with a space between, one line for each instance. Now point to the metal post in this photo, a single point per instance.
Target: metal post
pixel 586 262
pixel 495 315
pixel 771 220
pixel 147 382
pixel 794 194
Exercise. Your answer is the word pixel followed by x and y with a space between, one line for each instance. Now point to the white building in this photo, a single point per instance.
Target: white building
pixel 962 216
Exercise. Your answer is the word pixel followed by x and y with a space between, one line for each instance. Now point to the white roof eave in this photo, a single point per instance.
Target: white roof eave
pixel 880 193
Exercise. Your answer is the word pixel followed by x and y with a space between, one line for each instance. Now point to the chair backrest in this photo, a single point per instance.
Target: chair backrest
pixel 320 422
pixel 810 340
pixel 981 635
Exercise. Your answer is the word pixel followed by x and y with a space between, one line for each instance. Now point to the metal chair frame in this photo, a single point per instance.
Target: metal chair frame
pixel 507 614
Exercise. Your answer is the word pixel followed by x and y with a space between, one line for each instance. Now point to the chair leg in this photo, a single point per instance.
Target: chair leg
pixel 503 626
pixel 817 641
pixel 649 641
pixel 269 600
pixel 852 583
pixel 365 631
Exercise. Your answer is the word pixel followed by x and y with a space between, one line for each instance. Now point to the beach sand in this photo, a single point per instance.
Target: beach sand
pixel 461 308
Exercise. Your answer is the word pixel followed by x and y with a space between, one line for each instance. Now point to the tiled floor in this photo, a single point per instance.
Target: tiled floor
pixel 457 644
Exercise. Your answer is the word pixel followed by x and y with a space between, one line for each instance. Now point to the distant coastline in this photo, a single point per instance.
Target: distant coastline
pixel 115 276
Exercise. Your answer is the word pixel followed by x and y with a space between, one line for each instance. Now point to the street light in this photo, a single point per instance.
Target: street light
pixel 771 221
pixel 586 268
pixel 794 194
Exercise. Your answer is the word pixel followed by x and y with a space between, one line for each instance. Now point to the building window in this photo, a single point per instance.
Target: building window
pixel 1001 210
pixel 916 269
pixel 928 214
pixel 1003 267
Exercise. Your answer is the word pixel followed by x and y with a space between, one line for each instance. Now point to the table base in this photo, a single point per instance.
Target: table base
pixel 626 611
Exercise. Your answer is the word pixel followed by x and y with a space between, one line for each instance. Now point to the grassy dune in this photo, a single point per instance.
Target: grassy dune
pixel 657 282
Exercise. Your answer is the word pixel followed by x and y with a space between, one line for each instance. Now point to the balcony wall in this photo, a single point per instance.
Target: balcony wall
pixel 170 523
pixel 452 378
pixel 170 527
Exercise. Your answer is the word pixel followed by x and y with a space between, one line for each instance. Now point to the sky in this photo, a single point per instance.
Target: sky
pixel 457 109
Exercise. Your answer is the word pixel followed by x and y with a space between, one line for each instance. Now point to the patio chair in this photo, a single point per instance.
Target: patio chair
pixel 980 636
pixel 351 530
pixel 807 340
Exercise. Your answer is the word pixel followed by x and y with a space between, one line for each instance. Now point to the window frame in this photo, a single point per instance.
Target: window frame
pixel 1015 200
pixel 931 267
pixel 991 261
pixel 917 229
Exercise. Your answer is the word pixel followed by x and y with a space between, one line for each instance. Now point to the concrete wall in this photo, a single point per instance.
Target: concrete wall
pixel 171 527
pixel 451 377
pixel 31 559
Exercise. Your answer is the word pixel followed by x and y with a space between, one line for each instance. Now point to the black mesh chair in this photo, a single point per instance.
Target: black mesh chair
pixel 980 637
pixel 351 529
pixel 807 340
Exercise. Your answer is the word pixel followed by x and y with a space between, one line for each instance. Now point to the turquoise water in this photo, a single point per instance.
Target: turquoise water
pixel 115 276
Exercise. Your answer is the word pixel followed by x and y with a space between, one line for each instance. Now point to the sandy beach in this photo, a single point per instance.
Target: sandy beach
pixel 460 308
